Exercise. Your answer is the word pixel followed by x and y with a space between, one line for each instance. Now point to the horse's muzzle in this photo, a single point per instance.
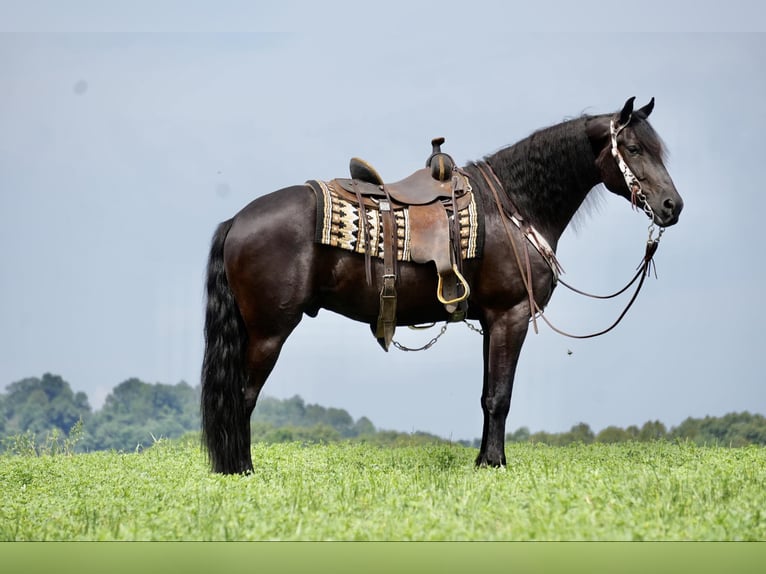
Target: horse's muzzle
pixel 670 211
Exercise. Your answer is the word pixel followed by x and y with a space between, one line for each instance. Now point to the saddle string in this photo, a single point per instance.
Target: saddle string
pixel 644 268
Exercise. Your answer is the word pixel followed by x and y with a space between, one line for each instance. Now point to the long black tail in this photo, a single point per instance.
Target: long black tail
pixel 225 428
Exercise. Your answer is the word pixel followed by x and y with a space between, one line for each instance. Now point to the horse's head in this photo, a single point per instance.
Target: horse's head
pixel 632 165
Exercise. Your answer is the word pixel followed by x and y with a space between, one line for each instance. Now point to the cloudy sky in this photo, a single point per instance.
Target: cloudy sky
pixel 120 153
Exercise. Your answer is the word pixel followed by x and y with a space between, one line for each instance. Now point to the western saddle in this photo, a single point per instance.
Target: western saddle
pixel 433 196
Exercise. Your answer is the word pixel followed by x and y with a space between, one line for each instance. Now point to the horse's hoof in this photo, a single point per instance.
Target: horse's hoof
pixel 484 460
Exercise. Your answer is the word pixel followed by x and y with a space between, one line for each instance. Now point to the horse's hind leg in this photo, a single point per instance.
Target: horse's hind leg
pixel 227 410
pixel 262 354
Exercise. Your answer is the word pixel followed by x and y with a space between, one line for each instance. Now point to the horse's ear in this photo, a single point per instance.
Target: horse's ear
pixel 627 111
pixel 647 109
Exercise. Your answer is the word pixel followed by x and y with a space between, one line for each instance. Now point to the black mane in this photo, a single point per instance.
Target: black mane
pixel 542 173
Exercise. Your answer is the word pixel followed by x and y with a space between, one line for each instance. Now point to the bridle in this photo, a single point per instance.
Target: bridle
pixel 525 269
pixel 634 185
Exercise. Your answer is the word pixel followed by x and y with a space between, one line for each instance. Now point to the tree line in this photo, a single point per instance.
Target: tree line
pixel 136 414
pixel 731 430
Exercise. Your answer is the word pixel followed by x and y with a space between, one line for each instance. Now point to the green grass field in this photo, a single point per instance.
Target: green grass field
pixel 636 491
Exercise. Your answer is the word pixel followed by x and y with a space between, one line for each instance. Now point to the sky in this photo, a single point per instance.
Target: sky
pixel 125 138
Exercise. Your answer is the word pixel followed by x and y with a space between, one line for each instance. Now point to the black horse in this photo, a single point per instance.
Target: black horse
pixel 266 270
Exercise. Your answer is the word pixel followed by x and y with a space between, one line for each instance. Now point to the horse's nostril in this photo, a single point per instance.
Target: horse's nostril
pixel 669 205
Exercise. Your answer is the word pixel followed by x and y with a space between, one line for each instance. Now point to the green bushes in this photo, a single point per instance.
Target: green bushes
pixel 731 430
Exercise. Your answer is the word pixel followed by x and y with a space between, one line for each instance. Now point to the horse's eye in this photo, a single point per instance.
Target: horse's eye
pixel 634 149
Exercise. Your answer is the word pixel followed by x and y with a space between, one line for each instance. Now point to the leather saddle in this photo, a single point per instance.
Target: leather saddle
pixel 433 196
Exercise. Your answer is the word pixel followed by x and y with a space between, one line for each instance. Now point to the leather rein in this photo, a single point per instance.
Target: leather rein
pixel 533 237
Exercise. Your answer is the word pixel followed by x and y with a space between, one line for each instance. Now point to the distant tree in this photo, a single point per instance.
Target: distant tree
pixel 754 431
pixel 689 429
pixel 389 438
pixel 281 413
pixel 544 438
pixel 613 434
pixel 339 420
pixel 41 405
pixel 312 415
pixel 579 433
pixel 280 434
pixel 363 427
pixel 294 412
pixel 136 414
pixel 652 430
pixel 733 429
pixel 323 433
pixel 521 434
pixel 319 434
pixel 259 431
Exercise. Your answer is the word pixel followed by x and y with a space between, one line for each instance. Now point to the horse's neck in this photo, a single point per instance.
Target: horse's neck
pixel 548 175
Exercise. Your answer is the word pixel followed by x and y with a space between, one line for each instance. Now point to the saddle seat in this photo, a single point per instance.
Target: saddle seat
pixel 434 182
pixel 416 189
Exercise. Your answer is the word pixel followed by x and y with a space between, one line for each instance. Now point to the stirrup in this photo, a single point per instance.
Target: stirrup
pixel 456 300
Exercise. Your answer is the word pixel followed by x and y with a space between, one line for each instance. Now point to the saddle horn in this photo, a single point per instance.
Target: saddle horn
pixel 441 164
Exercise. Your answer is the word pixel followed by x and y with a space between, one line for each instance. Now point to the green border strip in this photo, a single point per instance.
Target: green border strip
pixel 378 557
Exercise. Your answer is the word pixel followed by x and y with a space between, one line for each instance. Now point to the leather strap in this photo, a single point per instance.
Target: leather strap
pixel 365 231
pixel 387 314
pixel 524 270
pixel 644 269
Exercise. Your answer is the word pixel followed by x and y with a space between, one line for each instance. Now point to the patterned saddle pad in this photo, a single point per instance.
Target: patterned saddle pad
pixel 338 225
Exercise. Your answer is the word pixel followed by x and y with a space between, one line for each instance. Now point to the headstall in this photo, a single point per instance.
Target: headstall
pixel 634 185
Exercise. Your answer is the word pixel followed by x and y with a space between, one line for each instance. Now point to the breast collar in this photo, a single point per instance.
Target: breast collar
pixel 527 229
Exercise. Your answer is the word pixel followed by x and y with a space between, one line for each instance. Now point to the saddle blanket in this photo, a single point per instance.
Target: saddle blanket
pixel 338 225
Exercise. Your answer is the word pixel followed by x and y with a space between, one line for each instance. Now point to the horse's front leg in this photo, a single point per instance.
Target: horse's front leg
pixel 504 333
